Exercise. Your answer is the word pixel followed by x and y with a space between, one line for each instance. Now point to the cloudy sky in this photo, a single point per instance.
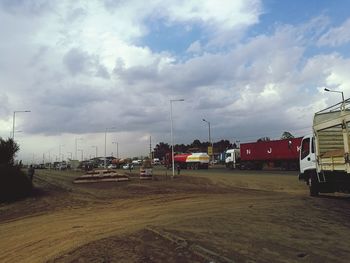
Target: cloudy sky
pixel 252 68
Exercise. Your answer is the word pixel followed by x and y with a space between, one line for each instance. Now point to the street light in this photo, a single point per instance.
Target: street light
pixel 210 143
pixel 71 155
pixel 116 145
pixel 13 121
pixel 95 150
pixel 336 91
pixel 59 152
pixel 111 128
pixel 82 154
pixel 171 132
pixel 76 146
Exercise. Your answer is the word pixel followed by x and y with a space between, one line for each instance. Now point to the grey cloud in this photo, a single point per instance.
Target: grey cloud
pixel 4 105
pixel 40 54
pixel 75 14
pixel 197 72
pixel 27 7
pixel 76 61
pixel 138 74
pixel 80 62
pixel 102 72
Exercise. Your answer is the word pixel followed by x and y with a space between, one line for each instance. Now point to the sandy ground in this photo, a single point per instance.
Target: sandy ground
pixel 201 216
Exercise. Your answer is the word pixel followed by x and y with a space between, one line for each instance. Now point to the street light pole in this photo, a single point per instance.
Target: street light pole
pixel 59 152
pixel 210 143
pixel 105 163
pixel 82 154
pixel 342 95
pixel 171 133
pixel 95 150
pixel 13 121
pixel 116 145
pixel 76 147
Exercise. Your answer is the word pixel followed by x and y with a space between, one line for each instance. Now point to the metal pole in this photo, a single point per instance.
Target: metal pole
pixel 105 161
pixel 50 159
pixel 342 96
pixel 59 153
pixel 13 125
pixel 13 122
pixel 116 148
pixel 76 147
pixel 82 154
pixel 210 142
pixel 150 147
pixel 172 136
pixel 93 146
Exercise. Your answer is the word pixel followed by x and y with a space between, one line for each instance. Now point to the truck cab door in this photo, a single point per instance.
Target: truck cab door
pixel 307 158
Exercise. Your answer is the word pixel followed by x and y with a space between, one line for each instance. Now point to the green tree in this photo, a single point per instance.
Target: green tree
pixel 287 135
pixel 161 149
pixel 264 139
pixel 13 182
pixel 8 150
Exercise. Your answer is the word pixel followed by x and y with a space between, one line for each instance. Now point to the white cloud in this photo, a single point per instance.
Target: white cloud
pixel 336 36
pixel 195 47
pixel 80 67
pixel 225 14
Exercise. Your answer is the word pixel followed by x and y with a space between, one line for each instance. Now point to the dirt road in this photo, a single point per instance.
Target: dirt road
pixel 202 216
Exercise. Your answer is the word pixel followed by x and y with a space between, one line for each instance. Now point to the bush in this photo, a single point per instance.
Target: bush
pixel 8 149
pixel 14 183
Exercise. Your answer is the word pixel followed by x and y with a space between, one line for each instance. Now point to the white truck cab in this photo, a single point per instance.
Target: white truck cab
pixel 232 158
pixel 325 155
pixel 307 158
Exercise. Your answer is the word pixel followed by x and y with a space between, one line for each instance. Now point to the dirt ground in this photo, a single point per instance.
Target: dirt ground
pixel 201 216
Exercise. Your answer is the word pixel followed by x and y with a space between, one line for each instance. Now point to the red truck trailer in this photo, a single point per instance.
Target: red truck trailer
pixel 271 154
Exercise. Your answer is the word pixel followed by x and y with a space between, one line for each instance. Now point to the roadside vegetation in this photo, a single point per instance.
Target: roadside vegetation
pixel 14 183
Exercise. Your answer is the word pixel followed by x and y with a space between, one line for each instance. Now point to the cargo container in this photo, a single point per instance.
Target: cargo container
pixel 280 154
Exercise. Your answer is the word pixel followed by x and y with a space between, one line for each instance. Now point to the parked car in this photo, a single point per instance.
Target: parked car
pixel 137 162
pixel 112 166
pixel 156 161
pixel 128 166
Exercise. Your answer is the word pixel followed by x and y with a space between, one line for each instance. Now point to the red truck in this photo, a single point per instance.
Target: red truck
pixel 282 154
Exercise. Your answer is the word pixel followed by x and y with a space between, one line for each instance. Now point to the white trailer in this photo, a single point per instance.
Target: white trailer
pixel 324 156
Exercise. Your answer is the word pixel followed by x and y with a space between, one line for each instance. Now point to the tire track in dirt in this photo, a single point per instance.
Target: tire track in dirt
pixel 47 236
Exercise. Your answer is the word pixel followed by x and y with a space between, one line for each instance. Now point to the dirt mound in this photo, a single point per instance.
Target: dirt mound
pixel 143 246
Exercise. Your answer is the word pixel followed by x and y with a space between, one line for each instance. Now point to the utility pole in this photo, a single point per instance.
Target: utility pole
pixel 150 147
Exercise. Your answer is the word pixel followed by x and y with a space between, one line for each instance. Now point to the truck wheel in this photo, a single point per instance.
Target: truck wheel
pixel 313 186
